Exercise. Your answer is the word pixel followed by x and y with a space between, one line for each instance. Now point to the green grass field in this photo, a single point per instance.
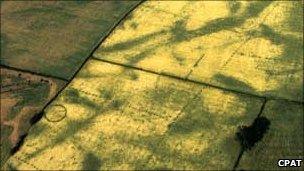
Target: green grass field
pixel 55 38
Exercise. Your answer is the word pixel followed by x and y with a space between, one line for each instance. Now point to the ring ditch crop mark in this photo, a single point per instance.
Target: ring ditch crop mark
pixel 60 118
pixel 85 61
pixel 243 130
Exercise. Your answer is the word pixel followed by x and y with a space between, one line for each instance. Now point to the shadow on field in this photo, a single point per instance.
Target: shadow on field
pixel 180 33
pixel 195 118
pixel 285 68
pixel 91 162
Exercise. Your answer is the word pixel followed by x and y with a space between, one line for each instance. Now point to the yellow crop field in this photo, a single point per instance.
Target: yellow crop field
pixel 126 123
pixel 152 85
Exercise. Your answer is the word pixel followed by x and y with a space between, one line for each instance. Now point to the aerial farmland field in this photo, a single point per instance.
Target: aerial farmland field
pixel 153 85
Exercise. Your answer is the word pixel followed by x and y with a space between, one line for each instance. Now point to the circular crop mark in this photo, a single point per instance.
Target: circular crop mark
pixel 55 113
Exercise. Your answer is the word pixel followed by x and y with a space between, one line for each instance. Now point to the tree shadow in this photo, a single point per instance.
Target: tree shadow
pixel 131 43
pixel 293 46
pixel 220 24
pixel 73 96
pixel 180 33
pixel 91 162
pixel 158 145
pixel 194 119
pixel 288 65
pixel 234 6
pixel 232 82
